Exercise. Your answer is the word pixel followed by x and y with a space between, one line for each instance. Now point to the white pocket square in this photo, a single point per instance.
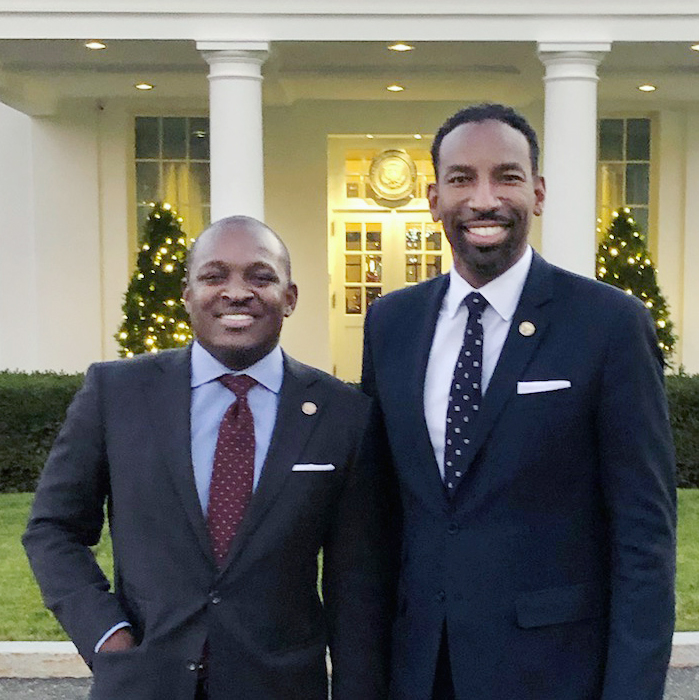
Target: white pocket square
pixel 540 386
pixel 313 468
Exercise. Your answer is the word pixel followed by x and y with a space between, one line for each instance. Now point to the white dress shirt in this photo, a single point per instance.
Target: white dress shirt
pixel 502 295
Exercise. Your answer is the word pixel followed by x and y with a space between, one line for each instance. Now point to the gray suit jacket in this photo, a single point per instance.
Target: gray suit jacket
pixel 126 443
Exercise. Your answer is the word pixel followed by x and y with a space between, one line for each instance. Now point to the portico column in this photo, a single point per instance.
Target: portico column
pixel 235 122
pixel 570 153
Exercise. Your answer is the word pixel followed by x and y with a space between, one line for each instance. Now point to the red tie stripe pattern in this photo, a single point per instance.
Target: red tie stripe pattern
pixel 234 467
pixel 465 394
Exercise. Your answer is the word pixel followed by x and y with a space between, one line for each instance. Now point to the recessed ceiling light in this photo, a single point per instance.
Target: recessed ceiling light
pixel 95 45
pixel 144 86
pixel 647 88
pixel 395 88
pixel 417 136
pixel 694 47
pixel 400 46
pixel 370 136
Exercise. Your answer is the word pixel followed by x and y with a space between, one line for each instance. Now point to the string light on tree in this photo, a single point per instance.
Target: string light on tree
pixel 154 317
pixel 634 272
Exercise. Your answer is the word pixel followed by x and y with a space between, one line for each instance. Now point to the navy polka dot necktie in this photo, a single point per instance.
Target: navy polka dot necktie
pixel 234 467
pixel 465 394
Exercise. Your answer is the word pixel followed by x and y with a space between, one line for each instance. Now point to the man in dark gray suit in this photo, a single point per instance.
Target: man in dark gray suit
pixel 190 616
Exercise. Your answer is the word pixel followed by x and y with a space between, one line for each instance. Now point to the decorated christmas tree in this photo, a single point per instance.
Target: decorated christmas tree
pixel 624 261
pixel 154 314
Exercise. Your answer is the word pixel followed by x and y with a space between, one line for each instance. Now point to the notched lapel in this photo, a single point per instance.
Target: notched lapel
pixel 300 407
pixel 517 352
pixel 168 393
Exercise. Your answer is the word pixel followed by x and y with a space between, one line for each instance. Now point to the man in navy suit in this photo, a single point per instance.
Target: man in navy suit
pixel 522 410
pixel 188 617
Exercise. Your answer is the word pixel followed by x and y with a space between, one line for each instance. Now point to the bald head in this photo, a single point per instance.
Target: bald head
pixel 243 226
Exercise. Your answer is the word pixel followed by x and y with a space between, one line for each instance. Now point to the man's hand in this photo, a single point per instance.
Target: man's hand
pixel 121 640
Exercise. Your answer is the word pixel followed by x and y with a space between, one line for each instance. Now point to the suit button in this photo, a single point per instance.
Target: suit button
pixel 453 528
pixel 192 666
pixel 441 596
pixel 214 597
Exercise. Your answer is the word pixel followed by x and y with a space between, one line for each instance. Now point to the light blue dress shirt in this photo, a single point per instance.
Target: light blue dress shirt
pixel 211 399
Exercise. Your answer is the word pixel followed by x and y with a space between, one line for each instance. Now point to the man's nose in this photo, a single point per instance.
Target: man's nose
pixel 236 290
pixel 483 197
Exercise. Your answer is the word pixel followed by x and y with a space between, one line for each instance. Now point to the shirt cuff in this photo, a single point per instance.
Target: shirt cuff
pixel 109 633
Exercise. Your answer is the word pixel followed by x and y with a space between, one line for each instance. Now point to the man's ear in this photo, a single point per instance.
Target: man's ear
pixel 185 295
pixel 433 198
pixel 292 296
pixel 540 194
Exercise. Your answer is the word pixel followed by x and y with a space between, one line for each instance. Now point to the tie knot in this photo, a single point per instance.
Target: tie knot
pixel 239 384
pixel 476 303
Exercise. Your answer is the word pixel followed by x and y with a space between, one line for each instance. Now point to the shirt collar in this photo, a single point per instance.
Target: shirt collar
pixel 269 371
pixel 502 293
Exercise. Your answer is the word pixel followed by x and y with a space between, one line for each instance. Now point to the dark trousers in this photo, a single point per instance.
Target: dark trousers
pixel 443 688
pixel 202 690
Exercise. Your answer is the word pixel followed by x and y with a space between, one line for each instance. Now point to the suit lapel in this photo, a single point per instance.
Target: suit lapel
pixel 292 429
pixel 168 395
pixel 517 351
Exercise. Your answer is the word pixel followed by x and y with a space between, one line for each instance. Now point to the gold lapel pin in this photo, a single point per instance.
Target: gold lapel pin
pixel 527 328
pixel 309 408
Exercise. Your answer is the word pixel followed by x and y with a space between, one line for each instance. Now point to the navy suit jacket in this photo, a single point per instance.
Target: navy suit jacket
pixel 553 565
pixel 126 442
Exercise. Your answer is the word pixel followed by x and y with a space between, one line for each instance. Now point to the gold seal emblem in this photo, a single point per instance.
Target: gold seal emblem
pixel 527 328
pixel 392 175
pixel 309 408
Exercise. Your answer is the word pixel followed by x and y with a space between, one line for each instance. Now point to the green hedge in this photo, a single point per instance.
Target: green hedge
pixel 32 407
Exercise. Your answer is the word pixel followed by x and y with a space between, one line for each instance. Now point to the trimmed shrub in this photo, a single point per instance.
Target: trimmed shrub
pixel 683 397
pixel 32 408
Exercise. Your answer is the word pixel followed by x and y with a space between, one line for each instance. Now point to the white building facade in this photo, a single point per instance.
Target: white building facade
pixel 292 99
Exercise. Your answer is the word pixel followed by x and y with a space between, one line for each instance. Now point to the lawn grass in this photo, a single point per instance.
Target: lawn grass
pixel 22 613
pixel 23 616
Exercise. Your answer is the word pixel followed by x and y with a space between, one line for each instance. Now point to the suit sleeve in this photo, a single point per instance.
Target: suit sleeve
pixel 359 579
pixel 637 463
pixel 66 520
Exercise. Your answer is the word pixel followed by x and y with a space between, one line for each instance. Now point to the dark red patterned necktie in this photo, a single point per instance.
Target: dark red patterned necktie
pixel 234 467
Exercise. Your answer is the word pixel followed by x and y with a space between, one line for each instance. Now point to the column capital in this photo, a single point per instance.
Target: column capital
pixel 234 59
pixel 572 60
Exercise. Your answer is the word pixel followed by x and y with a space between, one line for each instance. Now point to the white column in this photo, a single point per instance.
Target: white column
pixel 235 117
pixel 570 153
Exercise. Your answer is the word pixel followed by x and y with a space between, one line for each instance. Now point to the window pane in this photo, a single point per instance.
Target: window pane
pixel 199 138
pixel 199 187
pixel 638 139
pixel 372 293
pixel 373 268
pixel 412 268
pixel 147 142
pixel 353 300
pixel 611 185
pixel 353 268
pixel 174 137
pixel 353 237
pixel 433 237
pixel 433 266
pixel 373 236
pixel 640 216
pixel 611 139
pixel 147 182
pixel 143 212
pixel 637 183
pixel 413 235
pixel 352 187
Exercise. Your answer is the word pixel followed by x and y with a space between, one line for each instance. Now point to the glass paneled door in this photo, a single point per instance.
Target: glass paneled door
pixel 373 254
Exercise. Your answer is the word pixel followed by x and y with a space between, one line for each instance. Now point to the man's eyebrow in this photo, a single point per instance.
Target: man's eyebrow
pixel 510 166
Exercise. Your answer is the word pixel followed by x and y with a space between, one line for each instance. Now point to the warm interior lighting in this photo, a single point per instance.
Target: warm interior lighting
pixel 400 46
pixel 370 136
pixel 95 45
pixel 694 47
pixel 417 136
pixel 144 86
pixel 395 88
pixel 647 88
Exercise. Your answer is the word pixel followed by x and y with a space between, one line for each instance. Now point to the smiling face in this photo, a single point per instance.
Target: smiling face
pixel 485 196
pixel 238 292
